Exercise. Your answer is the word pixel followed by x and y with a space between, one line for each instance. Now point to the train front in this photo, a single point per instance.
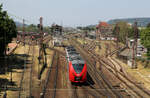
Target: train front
pixel 77 71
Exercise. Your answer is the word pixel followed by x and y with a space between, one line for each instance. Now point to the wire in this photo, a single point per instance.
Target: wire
pixel 20 18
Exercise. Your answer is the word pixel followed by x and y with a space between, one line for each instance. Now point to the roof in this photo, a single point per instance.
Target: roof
pixel 127 52
pixel 11 45
pixel 102 24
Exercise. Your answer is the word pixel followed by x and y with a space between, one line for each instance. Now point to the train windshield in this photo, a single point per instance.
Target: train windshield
pixel 75 57
pixel 78 68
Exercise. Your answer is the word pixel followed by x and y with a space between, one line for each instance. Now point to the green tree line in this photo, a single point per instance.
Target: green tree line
pixel 145 39
pixel 33 28
pixel 123 30
pixel 7 30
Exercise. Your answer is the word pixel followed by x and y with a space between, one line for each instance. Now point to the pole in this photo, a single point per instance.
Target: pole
pixel 135 44
pixel 117 36
pixel 133 55
pixel 136 36
pixel 23 30
pixel 41 45
pixel 41 38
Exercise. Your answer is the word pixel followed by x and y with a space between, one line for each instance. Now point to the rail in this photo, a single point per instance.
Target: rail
pixel 120 76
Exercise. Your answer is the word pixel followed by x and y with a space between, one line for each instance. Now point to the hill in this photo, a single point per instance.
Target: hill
pixel 141 21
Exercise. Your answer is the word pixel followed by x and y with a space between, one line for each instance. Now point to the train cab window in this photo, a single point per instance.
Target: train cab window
pixel 72 53
pixel 71 49
pixel 75 57
pixel 78 68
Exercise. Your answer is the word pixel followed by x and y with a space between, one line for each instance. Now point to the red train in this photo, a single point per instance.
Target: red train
pixel 77 66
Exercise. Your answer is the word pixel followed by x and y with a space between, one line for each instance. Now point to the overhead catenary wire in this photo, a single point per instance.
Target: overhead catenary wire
pixel 20 18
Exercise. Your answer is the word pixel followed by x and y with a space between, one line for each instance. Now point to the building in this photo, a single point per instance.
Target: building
pixel 103 27
pixel 104 30
pixel 56 30
pixel 92 35
pixel 128 55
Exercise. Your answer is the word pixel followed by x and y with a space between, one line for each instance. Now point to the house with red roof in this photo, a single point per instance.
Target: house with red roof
pixel 104 27
pixel 104 30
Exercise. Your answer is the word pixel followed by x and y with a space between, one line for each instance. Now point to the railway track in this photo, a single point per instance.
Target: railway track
pixel 46 39
pixel 49 89
pixel 123 74
pixel 100 73
pixel 22 76
pixel 31 71
pixel 105 87
pixel 93 91
pixel 101 80
pixel 75 94
pixel 84 91
pixel 136 89
pixel 62 53
pixel 26 78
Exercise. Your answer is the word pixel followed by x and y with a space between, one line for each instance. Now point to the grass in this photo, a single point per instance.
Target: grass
pixel 141 74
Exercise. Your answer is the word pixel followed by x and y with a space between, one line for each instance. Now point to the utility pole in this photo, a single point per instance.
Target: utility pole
pixel 106 51
pixel 96 33
pixel 117 35
pixel 117 30
pixel 136 33
pixel 134 45
pixel 41 38
pixel 133 55
pixel 23 30
pixel 40 26
pixel 41 32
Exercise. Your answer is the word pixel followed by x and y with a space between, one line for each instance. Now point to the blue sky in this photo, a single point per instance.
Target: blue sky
pixel 76 12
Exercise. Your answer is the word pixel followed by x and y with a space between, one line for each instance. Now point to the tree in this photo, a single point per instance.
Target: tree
pixel 79 28
pixel 148 25
pixel 7 30
pixel 31 28
pixel 116 31
pixel 123 29
pixel 131 33
pixel 145 40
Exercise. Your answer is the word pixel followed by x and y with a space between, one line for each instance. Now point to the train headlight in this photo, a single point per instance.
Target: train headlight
pixel 73 74
pixel 82 75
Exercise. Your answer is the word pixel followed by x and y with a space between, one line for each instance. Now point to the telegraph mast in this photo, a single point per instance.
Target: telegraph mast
pixel 40 26
pixel 135 45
